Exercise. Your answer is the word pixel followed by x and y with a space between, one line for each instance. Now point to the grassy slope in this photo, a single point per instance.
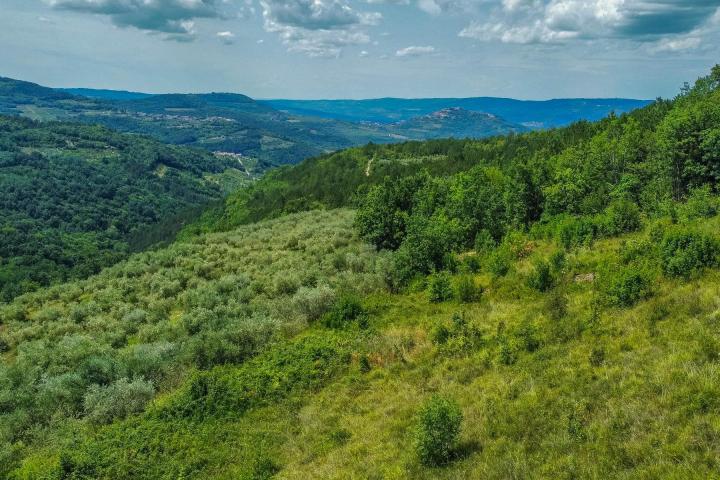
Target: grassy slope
pixel 647 408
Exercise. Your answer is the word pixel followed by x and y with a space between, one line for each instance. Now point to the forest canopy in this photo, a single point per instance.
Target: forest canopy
pixel 75 198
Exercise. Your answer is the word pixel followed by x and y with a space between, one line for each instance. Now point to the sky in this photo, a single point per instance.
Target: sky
pixel 311 49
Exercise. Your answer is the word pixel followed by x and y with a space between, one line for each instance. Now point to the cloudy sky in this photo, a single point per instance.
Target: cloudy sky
pixel 364 48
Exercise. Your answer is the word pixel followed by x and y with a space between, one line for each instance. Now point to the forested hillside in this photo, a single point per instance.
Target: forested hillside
pixel 542 305
pixel 74 198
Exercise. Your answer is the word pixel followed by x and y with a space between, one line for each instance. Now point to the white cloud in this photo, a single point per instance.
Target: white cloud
pixel 318 28
pixel 677 44
pixel 228 38
pixel 666 22
pixel 174 18
pixel 415 51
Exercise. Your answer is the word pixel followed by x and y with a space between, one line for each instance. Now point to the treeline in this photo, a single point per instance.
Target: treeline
pixel 640 163
pixel 75 198
pixel 341 179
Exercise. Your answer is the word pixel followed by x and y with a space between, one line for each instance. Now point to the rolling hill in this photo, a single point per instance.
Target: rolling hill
pixel 453 122
pixel 529 113
pixel 226 122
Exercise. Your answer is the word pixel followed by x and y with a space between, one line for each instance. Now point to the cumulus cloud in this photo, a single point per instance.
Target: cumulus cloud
pixel 415 51
pixel 436 7
pixel 665 22
pixel 318 28
pixel 228 38
pixel 174 18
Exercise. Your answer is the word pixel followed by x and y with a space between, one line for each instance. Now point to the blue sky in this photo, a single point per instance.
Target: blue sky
pixel 364 48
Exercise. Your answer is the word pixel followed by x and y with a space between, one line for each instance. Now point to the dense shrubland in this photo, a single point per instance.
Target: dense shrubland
pixel 74 199
pixel 101 349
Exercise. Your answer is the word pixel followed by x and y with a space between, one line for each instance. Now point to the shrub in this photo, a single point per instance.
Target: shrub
pixel 507 353
pixel 700 204
pixel 467 290
pixel 472 263
pixel 527 336
pixel 499 262
pixel 558 261
pixel 575 231
pixel 347 309
pixel 440 288
pixel 556 305
pixel 541 278
pixel 621 216
pixel 684 252
pixel 625 286
pixel 313 302
pixel 440 334
pixel 437 431
pixel 118 400
pixel 597 356
pixel 364 364
pixel 484 242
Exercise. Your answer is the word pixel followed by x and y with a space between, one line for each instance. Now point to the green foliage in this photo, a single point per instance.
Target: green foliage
pixel 303 365
pixel 499 262
pixel 99 350
pixel 684 252
pixel 79 198
pixel 541 277
pixel 192 361
pixel 437 431
pixel 440 288
pixel 624 286
pixel 620 217
pixel 347 309
pixel 103 404
pixel 467 289
pixel 700 204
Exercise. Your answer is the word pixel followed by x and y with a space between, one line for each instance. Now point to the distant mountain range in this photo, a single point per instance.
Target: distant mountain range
pixel 533 114
pixel 276 132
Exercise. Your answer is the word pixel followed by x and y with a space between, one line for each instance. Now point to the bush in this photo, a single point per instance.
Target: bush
pixel 440 289
pixel 527 336
pixel 467 290
pixel 104 404
pixel 437 431
pixel 558 261
pixel 484 242
pixel 684 252
pixel 499 262
pixel 541 278
pixel 620 217
pixel 575 231
pixel 347 309
pixel 625 286
pixel 313 302
pixel 700 204
pixel 472 263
